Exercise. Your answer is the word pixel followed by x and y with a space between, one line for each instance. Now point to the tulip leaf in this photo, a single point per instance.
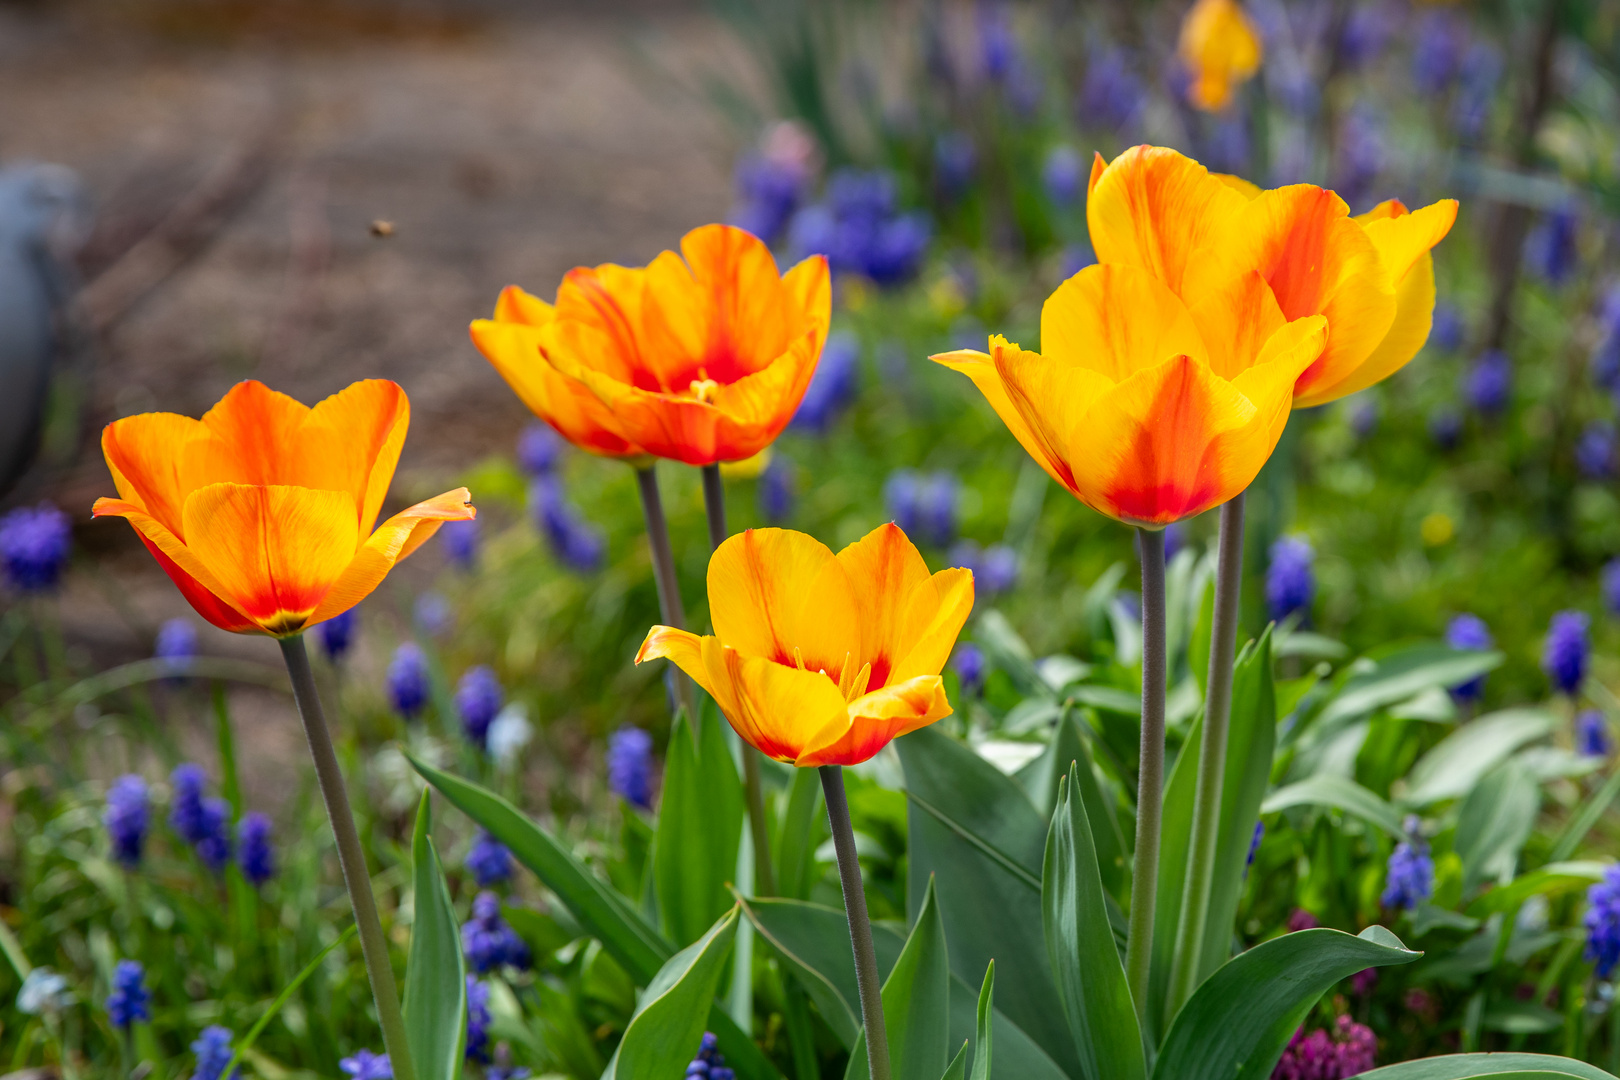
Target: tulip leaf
pixel 1338 793
pixel 813 942
pixel 700 819
pixel 435 973
pixel 1237 1023
pixel 984 1030
pixel 1090 978
pixel 801 830
pixel 1401 675
pixel 1042 778
pixel 1454 765
pixel 1545 881
pixel 916 1004
pixel 1494 822
pixel 600 911
pixel 1494 1066
pixel 957 1069
pixel 666 1030
pixel 1249 745
pixel 975 828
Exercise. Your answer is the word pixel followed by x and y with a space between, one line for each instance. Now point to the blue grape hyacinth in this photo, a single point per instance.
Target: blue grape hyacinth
pixel 478 1020
pixel 127 817
pixel 1603 923
pixel 1611 586
pixel 777 489
pixel 572 539
pixel 1488 383
pixel 1595 450
pixel 460 540
pixel 1063 175
pixel 213 1050
pixel 1592 733
pixel 489 860
pixel 255 854
pixel 408 683
pixel 432 614
pixel 833 386
pixel 1469 632
pixel 176 642
pixel 202 822
pixel 479 698
pixel 1291 577
pixel 337 634
pixel 1410 874
pixel 630 766
pixel 1567 651
pixel 365 1065
pixel 35 542
pixel 1112 95
pixel 969 664
pixel 129 1000
pixel 1551 248
pixel 488 941
pixel 539 448
pixel 709 1064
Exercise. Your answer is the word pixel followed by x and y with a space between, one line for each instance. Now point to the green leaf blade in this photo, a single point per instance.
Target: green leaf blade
pixel 435 972
pixel 700 818
pixel 667 1028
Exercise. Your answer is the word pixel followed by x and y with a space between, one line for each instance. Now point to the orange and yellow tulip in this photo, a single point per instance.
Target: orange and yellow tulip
pixel 1148 410
pixel 701 361
pixel 823 659
pixel 262 512
pixel 1221 49
pixel 1202 235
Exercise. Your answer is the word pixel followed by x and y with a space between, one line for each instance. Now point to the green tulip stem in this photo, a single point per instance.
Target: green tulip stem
pixel 669 587
pixel 1184 972
pixel 351 857
pixel 714 501
pixel 1150 772
pixel 860 924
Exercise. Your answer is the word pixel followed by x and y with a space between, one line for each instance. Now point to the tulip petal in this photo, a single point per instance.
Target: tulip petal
pixel 1051 398
pixel 783 595
pixel 276 550
pixel 351 442
pixel 983 370
pixel 726 305
pixel 513 349
pixel 143 453
pixel 393 541
pixel 599 314
pixel 251 438
pixel 1414 316
pixel 879 718
pixel 1153 208
pixel 939 609
pixel 1235 319
pixel 516 306
pixel 776 709
pixel 1116 320
pixel 196 582
pixel 899 605
pixel 1402 239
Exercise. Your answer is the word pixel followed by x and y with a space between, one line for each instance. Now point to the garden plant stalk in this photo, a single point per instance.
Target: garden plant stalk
pixel 663 560
pixel 1150 772
pixel 1211 760
pixel 860 925
pixel 351 857
pixel 714 502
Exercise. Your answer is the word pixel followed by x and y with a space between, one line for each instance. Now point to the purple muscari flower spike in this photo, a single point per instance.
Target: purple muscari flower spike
pixel 1226 146
pixel 777 490
pixel 1112 94
pixel 1567 650
pixel 1603 922
pixel 538 450
pixel 1591 733
pixel 35 542
pixel 709 1064
pixel 1606 357
pixel 254 852
pixel 1469 632
pixel 968 663
pixel 461 542
pixel 488 941
pixel 770 186
pixel 1550 248
pixel 1445 427
pixel 901 497
pixel 998 45
pixel 967 555
pixel 630 766
pixel 489 860
pixel 129 998
pixel 572 539
pixel 1594 450
pixel 507 1072
pixel 1437 55
pixel 1365 34
pixel 926 503
pixel 213 1050
pixel 1360 155
pixel 1364 415
pixel 1175 538
pixel 478 1020
pixel 214 847
pixel 1063 175
pixel 833 386
pixel 1611 586
pixel 1410 879
pixel 1448 328
pixel 1476 92
pixel 955 160
pixel 432 614
pixel 478 698
pixel 998 570
pixel 1254 844
pixel 1075 258
pixel 126 818
pixel 176 640
pixel 1363 982
pixel 1291 578
pixel 859 230
pixel 337 633
pixel 1488 384
pixel 365 1065
pixel 187 815
pixel 408 680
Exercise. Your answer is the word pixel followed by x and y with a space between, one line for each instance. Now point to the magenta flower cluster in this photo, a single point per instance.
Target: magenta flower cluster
pixel 1348 1050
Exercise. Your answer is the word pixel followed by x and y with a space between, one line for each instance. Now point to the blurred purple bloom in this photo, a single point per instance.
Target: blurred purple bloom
pixel 478 1021
pixel 1363 982
pixel 213 1050
pixel 1300 919
pixel 129 998
pixel 1488 383
pixel 1350 1050
pixel 630 766
pixel 1359 157
pixel 1447 330
pixel 968 663
pixel 538 449
pixel 337 633
pixel 1594 450
pixel 571 538
pixel 998 570
pixel 998 45
pixel 834 385
pixel 1611 586
pixel 461 542
pixel 365 1065
pixel 771 184
pixel 1254 843
pixel 1437 55
pixel 489 860
pixel 924 506
pixel 955 160
pixel 1366 32
pixel 1175 538
pixel 479 697
pixel 126 818
pixel 255 854
pixel 431 614
pixel 1409 879
pixel 1603 922
pixel 859 229
pixel 35 542
pixel 1226 145
pixel 1290 578
pixel 176 640
pixel 1364 414
pixel 408 683
pixel 1469 632
pixel 1550 249
pixel 1075 258
pixel 1476 91
pixel 1591 733
pixel 777 488
pixel 1063 174
pixel 486 939
pixel 1566 652
pixel 1445 427
pixel 1112 94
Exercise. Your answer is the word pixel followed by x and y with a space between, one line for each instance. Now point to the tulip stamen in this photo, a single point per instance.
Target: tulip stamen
pixel 798 658
pixel 703 387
